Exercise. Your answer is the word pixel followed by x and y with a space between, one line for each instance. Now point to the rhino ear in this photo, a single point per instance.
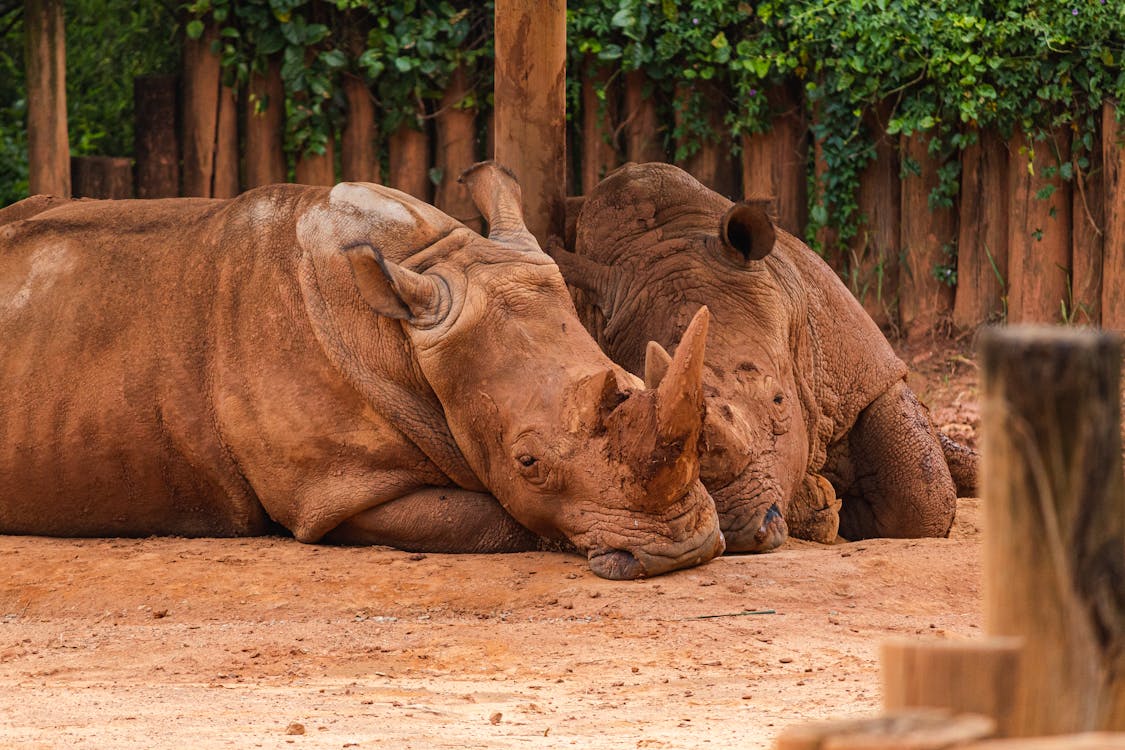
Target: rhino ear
pixel 746 230
pixel 396 292
pixel 657 362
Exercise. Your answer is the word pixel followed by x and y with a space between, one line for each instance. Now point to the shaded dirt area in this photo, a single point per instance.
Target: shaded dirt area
pixel 270 643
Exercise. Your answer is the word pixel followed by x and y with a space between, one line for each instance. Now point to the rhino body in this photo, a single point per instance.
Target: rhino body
pixel 807 403
pixel 347 363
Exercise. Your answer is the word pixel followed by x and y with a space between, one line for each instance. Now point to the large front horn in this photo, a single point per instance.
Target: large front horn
pixel 497 194
pixel 679 404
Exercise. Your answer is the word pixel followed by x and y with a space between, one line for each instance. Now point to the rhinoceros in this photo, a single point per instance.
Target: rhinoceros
pixel 810 427
pixel 348 363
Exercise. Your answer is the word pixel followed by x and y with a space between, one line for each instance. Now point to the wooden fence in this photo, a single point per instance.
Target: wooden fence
pixel 1029 247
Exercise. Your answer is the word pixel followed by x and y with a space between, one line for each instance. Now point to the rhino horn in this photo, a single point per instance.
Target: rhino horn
pixel 746 229
pixel 497 194
pixel 679 403
pixel 579 271
pixel 657 362
pixel 599 394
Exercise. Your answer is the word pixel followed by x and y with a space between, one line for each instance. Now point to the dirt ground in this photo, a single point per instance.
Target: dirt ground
pixel 271 643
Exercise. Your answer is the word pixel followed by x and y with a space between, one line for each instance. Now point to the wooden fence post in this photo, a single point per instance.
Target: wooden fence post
pixel 48 142
pixel 775 163
pixel 359 160
pixel 982 244
pixel 642 128
pixel 409 157
pixel 456 150
pixel 265 125
pixel 318 169
pixel 1113 258
pixel 599 155
pixel 1038 230
pixel 157 152
pixel 102 177
pixel 225 183
pixel 530 95
pixel 1054 499
pixel 873 265
pixel 1087 233
pixel 200 113
pixel 928 237
pixel 712 163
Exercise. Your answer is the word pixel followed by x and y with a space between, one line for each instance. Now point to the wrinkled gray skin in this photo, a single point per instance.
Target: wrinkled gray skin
pixel 349 363
pixel 807 404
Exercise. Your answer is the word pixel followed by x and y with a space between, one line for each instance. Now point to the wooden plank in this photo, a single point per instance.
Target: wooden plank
pixel 47 139
pixel 155 147
pixel 102 177
pixel 265 125
pixel 966 677
pixel 1113 259
pixel 456 151
pixel 200 113
pixel 530 95
pixel 359 159
pixel 1054 499
pixel 982 243
pixel 910 729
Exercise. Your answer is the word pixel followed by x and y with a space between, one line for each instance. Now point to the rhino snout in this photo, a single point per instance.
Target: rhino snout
pixel 765 530
pixel 616 565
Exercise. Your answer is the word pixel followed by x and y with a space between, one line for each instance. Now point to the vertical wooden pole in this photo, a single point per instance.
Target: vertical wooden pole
pixel 409 157
pixel 225 183
pixel 873 268
pixel 711 163
pixel 155 147
pixel 456 151
pixel 826 236
pixel 642 129
pixel 317 169
pixel 1038 230
pixel 200 113
pixel 265 123
pixel 102 177
pixel 982 244
pixel 775 163
pixel 530 97
pixel 599 156
pixel 1087 233
pixel 1113 256
pixel 1054 499
pixel 48 144
pixel 928 236
pixel 359 161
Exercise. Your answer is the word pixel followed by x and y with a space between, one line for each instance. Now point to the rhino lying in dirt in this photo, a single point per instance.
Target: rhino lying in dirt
pixel 349 363
pixel 806 401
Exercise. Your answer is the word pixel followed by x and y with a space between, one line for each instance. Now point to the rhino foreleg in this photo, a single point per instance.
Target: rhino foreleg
pixel 437 519
pixel 902 486
pixel 964 465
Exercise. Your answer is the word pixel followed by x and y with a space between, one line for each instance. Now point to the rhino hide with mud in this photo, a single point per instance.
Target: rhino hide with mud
pixel 810 426
pixel 348 363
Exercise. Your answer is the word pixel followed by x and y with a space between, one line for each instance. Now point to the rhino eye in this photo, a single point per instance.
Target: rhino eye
pixel 778 399
pixel 527 461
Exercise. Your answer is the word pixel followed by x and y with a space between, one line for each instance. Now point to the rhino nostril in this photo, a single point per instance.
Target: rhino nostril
pixel 772 514
pixel 616 564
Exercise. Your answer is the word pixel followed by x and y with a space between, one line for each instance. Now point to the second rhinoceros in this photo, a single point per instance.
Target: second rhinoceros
pixel 807 402
pixel 349 363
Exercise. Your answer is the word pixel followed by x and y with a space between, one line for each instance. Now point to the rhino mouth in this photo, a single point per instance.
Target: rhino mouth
pixel 616 565
pixel 763 531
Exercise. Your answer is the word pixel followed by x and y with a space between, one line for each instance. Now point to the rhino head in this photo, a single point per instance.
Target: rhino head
pixel 651 247
pixel 570 444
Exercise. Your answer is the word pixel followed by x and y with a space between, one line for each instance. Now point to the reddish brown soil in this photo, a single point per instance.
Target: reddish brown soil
pixel 271 643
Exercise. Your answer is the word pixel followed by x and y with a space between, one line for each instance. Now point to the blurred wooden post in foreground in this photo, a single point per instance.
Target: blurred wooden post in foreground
pixel 530 94
pixel 1054 499
pixel 47 139
pixel 966 677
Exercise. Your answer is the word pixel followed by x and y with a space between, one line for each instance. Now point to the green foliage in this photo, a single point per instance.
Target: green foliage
pixel 13 113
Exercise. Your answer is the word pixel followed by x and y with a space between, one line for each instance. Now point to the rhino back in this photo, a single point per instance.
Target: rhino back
pixel 160 375
pixel 847 361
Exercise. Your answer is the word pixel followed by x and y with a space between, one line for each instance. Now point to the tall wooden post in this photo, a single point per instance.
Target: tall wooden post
pixel 456 150
pixel 359 161
pixel 157 171
pixel 1113 258
pixel 530 98
pixel 48 144
pixel 1054 499
pixel 927 236
pixel 265 125
pixel 200 113
pixel 982 244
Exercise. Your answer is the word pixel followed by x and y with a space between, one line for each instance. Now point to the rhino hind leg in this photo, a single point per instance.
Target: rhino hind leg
pixel 438 519
pixel 902 486
pixel 964 465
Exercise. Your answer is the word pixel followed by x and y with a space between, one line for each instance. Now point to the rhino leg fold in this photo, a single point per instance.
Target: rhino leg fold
pixel 814 513
pixel 902 484
pixel 964 465
pixel 437 519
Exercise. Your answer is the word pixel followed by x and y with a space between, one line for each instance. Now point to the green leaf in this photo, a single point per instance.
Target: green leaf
pixel 194 29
